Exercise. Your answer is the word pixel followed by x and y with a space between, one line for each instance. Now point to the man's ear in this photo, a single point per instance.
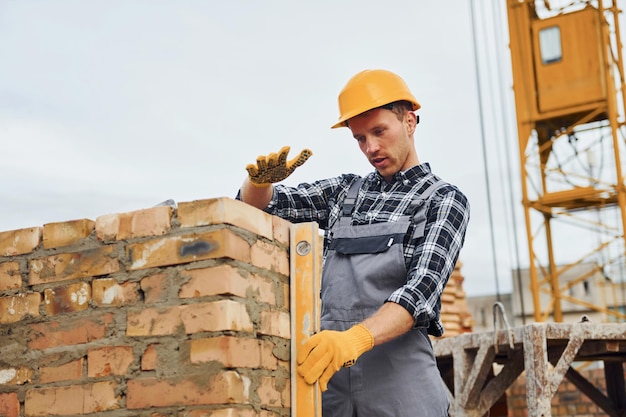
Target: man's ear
pixel 411 120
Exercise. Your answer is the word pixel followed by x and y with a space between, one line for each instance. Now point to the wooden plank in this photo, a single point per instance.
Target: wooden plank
pixel 305 279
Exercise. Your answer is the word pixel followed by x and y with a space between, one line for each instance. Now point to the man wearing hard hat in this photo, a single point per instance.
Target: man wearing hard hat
pixel 392 239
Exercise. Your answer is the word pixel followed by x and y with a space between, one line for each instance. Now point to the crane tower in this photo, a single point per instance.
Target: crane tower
pixel 568 83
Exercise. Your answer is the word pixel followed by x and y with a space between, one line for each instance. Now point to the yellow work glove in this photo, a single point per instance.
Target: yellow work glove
pixel 326 352
pixel 275 167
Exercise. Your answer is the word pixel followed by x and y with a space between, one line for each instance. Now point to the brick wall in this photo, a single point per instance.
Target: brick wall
pixel 158 312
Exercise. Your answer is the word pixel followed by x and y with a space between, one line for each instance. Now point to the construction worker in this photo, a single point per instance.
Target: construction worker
pixel 392 239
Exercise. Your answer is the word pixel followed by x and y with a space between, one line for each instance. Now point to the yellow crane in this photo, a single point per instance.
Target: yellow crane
pixel 568 82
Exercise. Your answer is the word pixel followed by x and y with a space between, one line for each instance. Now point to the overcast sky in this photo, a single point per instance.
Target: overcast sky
pixel 114 106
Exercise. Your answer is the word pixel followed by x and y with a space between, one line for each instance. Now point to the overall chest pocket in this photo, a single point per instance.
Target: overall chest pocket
pixel 365 244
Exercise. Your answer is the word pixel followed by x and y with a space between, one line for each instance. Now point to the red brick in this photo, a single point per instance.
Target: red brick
pixel 274 391
pixel 66 266
pixel 285 301
pixel 226 280
pixel 216 316
pixel 233 352
pixel 18 242
pixel 153 322
pixel 9 404
pixel 56 235
pixel 275 323
pixel 66 372
pixel 10 276
pixel 213 316
pixel 109 292
pixel 225 211
pixel 226 387
pixel 155 288
pixel 150 358
pixel 109 360
pixel 75 399
pixel 282 230
pixel 72 331
pixel 154 221
pixel 174 250
pixel 228 412
pixel 270 257
pixel 18 307
pixel 68 299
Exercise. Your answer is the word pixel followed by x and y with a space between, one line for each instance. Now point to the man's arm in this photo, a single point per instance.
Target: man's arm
pixel 390 321
pixel 256 196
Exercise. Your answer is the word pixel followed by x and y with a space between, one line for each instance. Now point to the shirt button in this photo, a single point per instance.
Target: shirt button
pixel 405 182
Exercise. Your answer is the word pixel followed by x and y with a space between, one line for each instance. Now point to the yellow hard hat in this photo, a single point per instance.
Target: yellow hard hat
pixel 370 89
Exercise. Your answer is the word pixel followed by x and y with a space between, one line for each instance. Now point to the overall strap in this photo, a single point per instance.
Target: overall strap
pixel 350 200
pixel 419 216
pixel 425 195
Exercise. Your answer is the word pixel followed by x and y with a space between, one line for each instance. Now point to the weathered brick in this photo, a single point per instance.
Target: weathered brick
pixel 68 299
pixel 228 412
pixel 18 307
pixel 226 280
pixel 60 234
pixel 282 230
pixel 154 221
pixel 274 391
pixel 215 316
pixel 67 372
pixel 74 399
pixel 109 292
pixel 21 241
pixel 275 323
pixel 16 376
pixel 9 404
pixel 174 250
pixel 286 297
pixel 225 211
pixel 271 257
pixel 155 288
pixel 10 276
pixel 109 360
pixel 233 352
pixel 212 316
pixel 153 322
pixel 69 331
pixel 66 266
pixel 226 387
pixel 150 358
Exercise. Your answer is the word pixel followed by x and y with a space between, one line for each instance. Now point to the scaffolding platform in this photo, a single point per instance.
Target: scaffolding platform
pixel 478 368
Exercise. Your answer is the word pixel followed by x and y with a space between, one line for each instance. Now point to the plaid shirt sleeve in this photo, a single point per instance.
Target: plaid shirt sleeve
pixel 315 202
pixel 434 258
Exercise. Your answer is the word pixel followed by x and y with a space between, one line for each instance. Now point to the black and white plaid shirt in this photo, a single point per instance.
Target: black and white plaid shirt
pixel 430 259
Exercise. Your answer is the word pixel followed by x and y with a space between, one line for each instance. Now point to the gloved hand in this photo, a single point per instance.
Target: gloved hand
pixel 326 352
pixel 275 167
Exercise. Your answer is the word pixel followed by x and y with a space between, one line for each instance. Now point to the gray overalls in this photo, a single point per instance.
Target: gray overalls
pixel 364 264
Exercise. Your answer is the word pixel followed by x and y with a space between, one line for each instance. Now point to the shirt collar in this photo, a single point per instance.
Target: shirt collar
pixel 409 176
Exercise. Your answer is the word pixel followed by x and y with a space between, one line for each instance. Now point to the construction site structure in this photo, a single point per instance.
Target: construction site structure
pixel 568 82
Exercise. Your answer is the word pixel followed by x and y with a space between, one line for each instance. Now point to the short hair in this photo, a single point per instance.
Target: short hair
pixel 399 108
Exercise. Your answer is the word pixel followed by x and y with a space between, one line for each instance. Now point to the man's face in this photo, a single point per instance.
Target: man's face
pixel 386 141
